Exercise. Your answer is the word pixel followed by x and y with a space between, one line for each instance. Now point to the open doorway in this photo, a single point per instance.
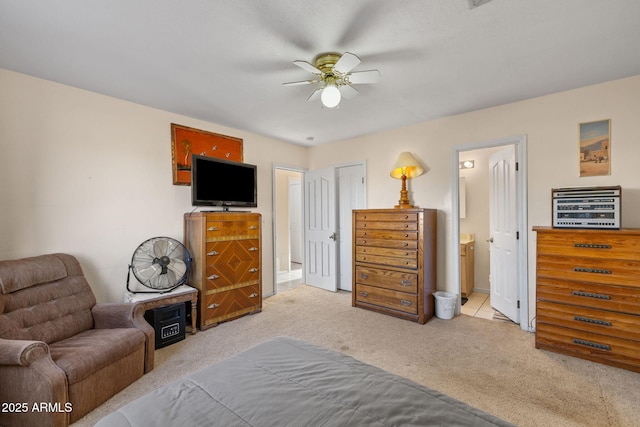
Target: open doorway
pixel 288 229
pixel 475 207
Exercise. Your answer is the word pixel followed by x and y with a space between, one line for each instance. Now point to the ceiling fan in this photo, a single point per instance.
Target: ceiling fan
pixel 334 77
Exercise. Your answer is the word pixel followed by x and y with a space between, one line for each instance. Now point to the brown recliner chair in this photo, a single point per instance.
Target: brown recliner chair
pixel 61 354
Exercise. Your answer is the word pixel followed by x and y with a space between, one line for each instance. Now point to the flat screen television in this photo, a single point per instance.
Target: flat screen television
pixel 219 182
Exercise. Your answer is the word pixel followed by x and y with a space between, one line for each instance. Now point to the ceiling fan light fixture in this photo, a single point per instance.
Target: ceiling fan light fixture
pixel 330 96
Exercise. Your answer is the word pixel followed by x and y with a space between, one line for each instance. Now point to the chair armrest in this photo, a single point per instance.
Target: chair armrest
pixel 114 315
pixel 21 352
pixel 125 315
pixel 29 376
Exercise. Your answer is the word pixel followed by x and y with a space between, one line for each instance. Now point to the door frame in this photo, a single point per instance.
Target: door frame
pixel 274 225
pixel 520 142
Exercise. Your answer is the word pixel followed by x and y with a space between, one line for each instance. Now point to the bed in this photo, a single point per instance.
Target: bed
pixel 287 382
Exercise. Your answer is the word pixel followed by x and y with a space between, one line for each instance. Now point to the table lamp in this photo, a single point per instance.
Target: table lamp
pixel 405 167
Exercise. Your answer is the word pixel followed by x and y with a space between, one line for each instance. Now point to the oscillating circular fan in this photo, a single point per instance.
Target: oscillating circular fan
pixel 161 264
pixel 334 77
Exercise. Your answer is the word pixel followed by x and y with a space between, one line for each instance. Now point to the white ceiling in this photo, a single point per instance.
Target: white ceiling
pixel 224 61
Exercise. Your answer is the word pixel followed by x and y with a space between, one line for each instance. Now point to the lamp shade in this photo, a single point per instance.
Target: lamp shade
pixel 407 165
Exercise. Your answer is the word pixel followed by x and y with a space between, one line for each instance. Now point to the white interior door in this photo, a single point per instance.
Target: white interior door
pixel 351 195
pixel 320 229
pixel 503 223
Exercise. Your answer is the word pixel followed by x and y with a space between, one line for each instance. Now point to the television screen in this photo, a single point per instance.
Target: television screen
pixel 218 182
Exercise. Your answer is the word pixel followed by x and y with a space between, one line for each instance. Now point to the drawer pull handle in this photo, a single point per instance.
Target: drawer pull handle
pixel 253 295
pixel 591 270
pixel 406 217
pixel 590 295
pixel 362 242
pixel 212 253
pixel 592 344
pixel 253 227
pixel 405 282
pixel 405 244
pixel 405 302
pixel 364 225
pixel 406 226
pixel 591 246
pixel 594 321
pixel 212 228
pixel 364 294
pixel 253 249
pixel 406 263
pixel 406 235
pixel 253 270
pixel 214 305
pixel 213 277
pixel 364 276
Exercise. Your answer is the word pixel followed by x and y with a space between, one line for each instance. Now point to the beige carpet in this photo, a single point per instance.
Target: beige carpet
pixel 492 365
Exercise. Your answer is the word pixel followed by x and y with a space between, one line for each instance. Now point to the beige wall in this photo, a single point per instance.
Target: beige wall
pixel 90 175
pixel 550 124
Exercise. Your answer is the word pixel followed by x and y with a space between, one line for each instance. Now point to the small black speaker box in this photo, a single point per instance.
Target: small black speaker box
pixel 168 322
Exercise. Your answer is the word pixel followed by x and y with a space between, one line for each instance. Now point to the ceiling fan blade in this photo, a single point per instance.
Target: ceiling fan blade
pixel 315 95
pixel 359 77
pixel 303 82
pixel 347 91
pixel 308 67
pixel 346 63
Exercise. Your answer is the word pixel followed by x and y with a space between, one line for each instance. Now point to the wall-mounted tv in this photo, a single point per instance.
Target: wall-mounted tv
pixel 218 182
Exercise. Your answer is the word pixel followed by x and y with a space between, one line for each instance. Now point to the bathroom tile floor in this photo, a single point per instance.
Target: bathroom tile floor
pixel 478 305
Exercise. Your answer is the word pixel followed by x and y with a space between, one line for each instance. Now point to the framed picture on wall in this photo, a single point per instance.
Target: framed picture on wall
pixel 186 141
pixel 595 148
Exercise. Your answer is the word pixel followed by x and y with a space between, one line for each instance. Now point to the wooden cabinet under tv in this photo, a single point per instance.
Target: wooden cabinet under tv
pixel 394 262
pixel 226 268
pixel 588 294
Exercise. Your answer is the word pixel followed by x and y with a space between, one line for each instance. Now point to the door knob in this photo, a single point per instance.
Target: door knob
pixel 333 236
pixel 490 240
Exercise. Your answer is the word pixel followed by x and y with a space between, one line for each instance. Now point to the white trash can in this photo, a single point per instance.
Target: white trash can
pixel 445 304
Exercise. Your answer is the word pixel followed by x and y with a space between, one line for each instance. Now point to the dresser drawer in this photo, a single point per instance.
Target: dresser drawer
pixel 400 301
pixel 589 245
pixel 604 271
pixel 393 280
pixel 613 298
pixel 600 348
pixel 381 235
pixel 387 216
pixel 390 252
pixel 224 230
pixel 411 263
pixel 619 325
pixel 221 306
pixel 387 243
pixel 400 226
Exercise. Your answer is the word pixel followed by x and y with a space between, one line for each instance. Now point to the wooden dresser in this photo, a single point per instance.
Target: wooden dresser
pixel 227 264
pixel 588 294
pixel 394 262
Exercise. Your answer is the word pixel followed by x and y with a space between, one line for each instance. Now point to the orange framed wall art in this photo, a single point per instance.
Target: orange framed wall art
pixel 186 141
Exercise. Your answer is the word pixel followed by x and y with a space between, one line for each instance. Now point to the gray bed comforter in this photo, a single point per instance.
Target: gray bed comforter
pixel 287 382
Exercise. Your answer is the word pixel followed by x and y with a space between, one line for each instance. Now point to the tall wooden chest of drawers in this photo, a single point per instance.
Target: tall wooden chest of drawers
pixel 394 262
pixel 588 294
pixel 227 264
